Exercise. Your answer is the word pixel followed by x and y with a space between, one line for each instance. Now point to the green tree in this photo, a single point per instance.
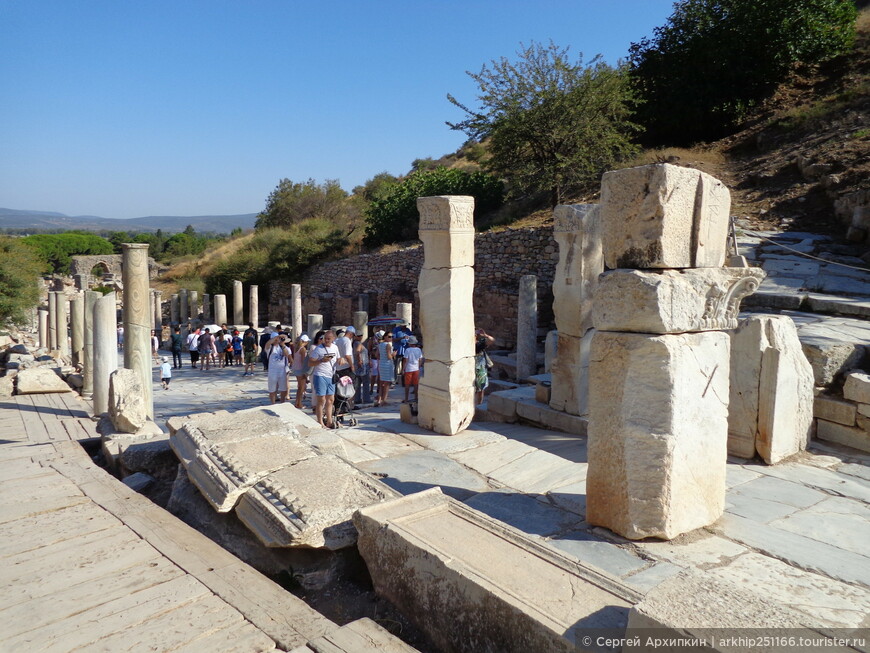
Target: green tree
pixel 56 250
pixel 292 202
pixel 715 59
pixel 552 125
pixel 20 268
pixel 394 218
pixel 377 187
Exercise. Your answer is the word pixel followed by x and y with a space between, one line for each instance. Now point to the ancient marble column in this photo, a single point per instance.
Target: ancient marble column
pixel 137 324
pixel 296 308
pixel 61 323
pixel 238 304
pixel 91 298
pixel 446 392
pixel 220 309
pixel 105 350
pixel 405 311
pixel 158 313
pixel 52 320
pixel 43 327
pixel 173 309
pixel 577 231
pixel 315 324
pixel 527 327
pixel 184 305
pixel 193 300
pixel 77 328
pixel 206 308
pixel 360 323
pixel 254 306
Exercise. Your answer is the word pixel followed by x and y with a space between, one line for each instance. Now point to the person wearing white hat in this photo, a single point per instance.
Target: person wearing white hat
pixel 299 368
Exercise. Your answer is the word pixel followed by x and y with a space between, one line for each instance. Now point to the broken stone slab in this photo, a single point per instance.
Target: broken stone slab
pixel 663 399
pixel 569 387
pixel 693 606
pixel 857 387
pixel 771 396
pixel 672 301
pixel 138 481
pixel 830 358
pixel 127 408
pixel 663 216
pixel 7 386
pixel 39 380
pixel 310 503
pixel 471 582
pixel 358 636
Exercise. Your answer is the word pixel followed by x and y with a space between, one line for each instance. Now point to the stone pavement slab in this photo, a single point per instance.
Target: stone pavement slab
pixel 419 470
pixel 381 444
pixel 488 458
pixel 772 489
pixel 523 512
pixel 756 509
pixel 843 521
pixel 538 472
pixel 827 481
pixel 605 555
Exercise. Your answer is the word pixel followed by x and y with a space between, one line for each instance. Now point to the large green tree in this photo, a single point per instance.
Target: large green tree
pixel 715 59
pixel 552 124
pixel 57 250
pixel 20 268
pixel 293 202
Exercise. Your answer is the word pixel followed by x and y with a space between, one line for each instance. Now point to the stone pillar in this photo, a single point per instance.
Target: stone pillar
pixel 527 327
pixel 52 320
pixel 296 308
pixel 220 309
pixel 446 392
pixel 659 359
pixel 61 323
pixel 206 308
pixel 105 350
pixel 158 313
pixel 43 327
pixel 315 324
pixel 362 302
pixel 173 310
pixel 193 300
pixel 360 323
pixel 238 304
pixel 77 328
pixel 254 306
pixel 405 311
pixel 91 298
pixel 184 305
pixel 577 231
pixel 137 324
pixel 82 281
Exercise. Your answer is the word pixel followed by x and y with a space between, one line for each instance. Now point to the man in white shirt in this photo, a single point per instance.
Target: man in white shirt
pixel 324 358
pixel 413 359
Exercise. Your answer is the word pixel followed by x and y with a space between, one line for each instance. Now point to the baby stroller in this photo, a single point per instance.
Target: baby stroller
pixel 344 392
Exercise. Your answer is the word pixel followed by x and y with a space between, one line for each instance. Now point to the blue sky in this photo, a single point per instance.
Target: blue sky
pixel 122 109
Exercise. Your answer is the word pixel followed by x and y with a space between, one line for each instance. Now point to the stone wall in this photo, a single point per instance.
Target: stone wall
pixel 333 289
pixel 111 263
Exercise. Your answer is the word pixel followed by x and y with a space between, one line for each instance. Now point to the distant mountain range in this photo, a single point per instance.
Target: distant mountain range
pixel 50 221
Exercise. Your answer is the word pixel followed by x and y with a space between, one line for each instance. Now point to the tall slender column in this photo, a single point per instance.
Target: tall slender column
pixel 193 299
pixel 206 308
pixel 238 304
pixel 77 328
pixel 52 320
pixel 173 310
pixel 105 350
pixel 360 323
pixel 404 310
pixel 315 324
pixel 296 308
pixel 446 392
pixel 184 305
pixel 43 327
pixel 91 298
pixel 158 313
pixel 137 326
pixel 60 324
pixel 254 305
pixel 527 327
pixel 220 309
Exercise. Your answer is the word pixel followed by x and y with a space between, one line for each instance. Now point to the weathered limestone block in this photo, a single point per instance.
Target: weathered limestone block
pixel 7 386
pixel 527 327
pixel 442 293
pixel 570 374
pixel 658 429
pixel 39 380
pixel 850 436
pixel 447 231
pixel 771 396
pixel 448 389
pixel 310 503
pixel 672 301
pixel 857 387
pixel 473 583
pixel 577 231
pixel 830 357
pixel 127 408
pixel 663 216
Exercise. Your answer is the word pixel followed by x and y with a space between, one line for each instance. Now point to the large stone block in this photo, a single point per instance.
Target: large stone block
pixel 39 380
pixel 771 395
pixel 447 313
pixel 473 583
pixel 447 231
pixel 310 503
pixel 570 376
pixel 672 301
pixel 658 428
pixel 663 216
pixel 830 357
pixel 576 229
pixel 127 401
pixel 446 396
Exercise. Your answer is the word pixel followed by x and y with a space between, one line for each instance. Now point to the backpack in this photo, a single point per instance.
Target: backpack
pixel 249 342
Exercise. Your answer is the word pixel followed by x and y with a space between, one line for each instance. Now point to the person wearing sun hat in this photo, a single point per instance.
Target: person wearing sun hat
pixel 299 368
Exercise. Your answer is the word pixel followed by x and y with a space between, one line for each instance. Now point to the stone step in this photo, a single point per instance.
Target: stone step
pixel 520 404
